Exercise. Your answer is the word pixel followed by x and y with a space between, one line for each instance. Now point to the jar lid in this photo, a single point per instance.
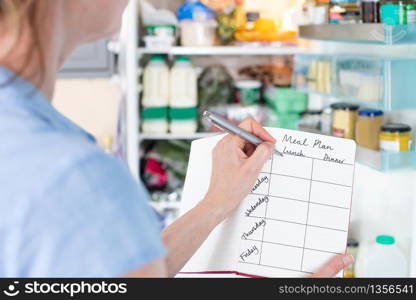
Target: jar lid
pixel 314 112
pixel 368 112
pixel 396 128
pixel 385 240
pixel 154 113
pixel 188 113
pixel 252 16
pixel 248 84
pixel 345 106
pixel 352 243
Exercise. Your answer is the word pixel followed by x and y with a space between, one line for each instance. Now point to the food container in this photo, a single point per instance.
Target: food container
pixel 198 33
pixel 310 121
pixel 352 249
pixel 393 12
pixel 158 42
pixel 248 92
pixel 370 11
pixel 344 116
pixel 286 100
pixel 369 122
pixel 395 137
pixel 161 30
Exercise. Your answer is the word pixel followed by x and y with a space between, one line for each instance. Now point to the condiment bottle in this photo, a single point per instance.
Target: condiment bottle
pixel 352 249
pixel 344 116
pixel 369 122
pixel 395 137
pixel 370 11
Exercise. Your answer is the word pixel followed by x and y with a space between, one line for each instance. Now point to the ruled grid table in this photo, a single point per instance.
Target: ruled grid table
pixel 297 214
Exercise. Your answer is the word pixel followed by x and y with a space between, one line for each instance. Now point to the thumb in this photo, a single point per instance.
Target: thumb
pixel 334 266
pixel 260 156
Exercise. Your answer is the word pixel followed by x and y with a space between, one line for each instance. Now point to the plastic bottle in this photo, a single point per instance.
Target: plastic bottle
pixel 183 84
pixel 155 120
pixel 383 259
pixel 183 120
pixel 156 83
pixel 411 12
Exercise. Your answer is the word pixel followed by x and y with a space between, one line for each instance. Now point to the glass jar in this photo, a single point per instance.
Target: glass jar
pixel 369 122
pixel 395 137
pixel 370 11
pixel 344 116
pixel 352 249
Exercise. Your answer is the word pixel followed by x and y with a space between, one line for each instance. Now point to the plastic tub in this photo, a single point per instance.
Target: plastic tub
pixel 248 92
pixel 286 100
pixel 160 42
pixel 198 33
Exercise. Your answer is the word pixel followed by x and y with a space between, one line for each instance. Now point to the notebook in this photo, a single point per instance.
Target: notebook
pixel 295 218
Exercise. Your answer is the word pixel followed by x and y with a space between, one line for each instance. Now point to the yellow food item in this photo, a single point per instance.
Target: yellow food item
pixel 218 4
pixel 255 36
pixel 265 25
pixel 395 140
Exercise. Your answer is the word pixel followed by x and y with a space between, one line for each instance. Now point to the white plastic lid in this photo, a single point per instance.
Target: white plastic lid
pixel 248 84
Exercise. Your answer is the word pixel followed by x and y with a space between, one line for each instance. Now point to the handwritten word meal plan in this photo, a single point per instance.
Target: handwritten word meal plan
pixel 296 216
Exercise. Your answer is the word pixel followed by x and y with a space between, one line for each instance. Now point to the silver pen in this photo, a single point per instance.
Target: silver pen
pixel 233 129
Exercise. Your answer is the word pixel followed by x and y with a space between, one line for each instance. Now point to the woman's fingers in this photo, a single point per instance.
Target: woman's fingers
pixel 250 125
pixel 334 266
pixel 260 156
pixel 255 128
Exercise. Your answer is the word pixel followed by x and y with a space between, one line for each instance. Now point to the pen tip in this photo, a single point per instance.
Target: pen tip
pixel 278 153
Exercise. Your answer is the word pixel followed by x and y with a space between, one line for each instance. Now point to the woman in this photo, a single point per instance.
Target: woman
pixel 67 209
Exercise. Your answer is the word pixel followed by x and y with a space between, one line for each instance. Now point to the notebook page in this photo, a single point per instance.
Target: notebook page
pixel 218 251
pixel 297 216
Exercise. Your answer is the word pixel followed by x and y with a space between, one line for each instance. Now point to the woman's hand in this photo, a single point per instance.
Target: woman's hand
pixel 334 266
pixel 236 166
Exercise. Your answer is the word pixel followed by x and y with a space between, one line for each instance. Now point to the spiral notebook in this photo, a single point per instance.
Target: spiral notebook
pixel 295 218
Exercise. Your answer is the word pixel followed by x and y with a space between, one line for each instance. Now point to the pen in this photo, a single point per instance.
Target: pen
pixel 233 129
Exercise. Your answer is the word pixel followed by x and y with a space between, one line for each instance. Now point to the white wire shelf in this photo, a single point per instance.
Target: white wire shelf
pixel 223 50
pixel 173 136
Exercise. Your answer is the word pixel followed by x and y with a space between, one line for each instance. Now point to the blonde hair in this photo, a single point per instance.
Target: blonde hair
pixel 13 15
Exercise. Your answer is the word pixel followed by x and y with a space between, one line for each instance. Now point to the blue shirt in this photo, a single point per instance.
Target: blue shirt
pixel 67 209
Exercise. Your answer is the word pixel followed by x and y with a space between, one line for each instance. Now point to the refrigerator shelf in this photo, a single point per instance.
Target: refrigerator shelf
pixel 174 136
pixel 384 83
pixel 361 33
pixel 223 50
pixel 386 161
